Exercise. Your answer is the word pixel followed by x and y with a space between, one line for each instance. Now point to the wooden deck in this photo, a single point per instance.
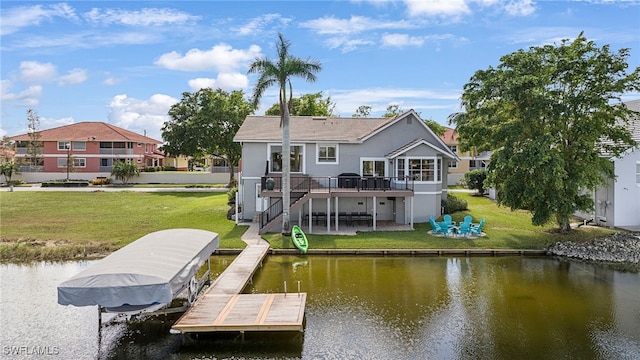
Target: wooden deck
pixel 240 271
pixel 245 312
pixel 223 308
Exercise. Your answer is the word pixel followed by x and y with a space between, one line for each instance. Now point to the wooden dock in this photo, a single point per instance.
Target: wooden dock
pixel 245 312
pixel 223 308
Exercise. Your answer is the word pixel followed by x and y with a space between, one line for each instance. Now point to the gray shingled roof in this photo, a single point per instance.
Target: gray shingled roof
pixel 308 128
pixel 635 123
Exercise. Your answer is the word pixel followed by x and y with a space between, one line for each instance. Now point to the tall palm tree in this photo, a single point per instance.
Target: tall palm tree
pixel 280 73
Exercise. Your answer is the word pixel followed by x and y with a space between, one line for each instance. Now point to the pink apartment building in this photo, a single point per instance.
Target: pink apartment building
pixel 91 147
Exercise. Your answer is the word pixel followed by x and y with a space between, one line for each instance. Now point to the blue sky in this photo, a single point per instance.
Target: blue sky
pixel 127 62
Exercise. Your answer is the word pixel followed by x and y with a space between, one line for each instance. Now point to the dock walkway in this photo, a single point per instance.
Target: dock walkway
pixel 223 308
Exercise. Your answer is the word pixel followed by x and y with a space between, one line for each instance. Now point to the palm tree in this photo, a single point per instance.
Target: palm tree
pixel 280 73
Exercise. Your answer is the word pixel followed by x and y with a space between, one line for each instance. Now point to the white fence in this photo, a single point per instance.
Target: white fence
pixel 178 177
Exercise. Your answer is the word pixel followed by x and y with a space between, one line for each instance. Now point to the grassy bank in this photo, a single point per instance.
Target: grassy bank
pixel 64 225
pixel 67 225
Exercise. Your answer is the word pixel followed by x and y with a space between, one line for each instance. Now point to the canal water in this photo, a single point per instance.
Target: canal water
pixel 357 308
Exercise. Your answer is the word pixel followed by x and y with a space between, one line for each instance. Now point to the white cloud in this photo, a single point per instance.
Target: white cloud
pixel 347 101
pixel 14 19
pixel 225 81
pixel 37 72
pixel 260 24
pixel 354 25
pixel 346 44
pixel 27 97
pixel 49 123
pixel 221 57
pixel 520 8
pixel 111 80
pixel 452 9
pixel 144 17
pixel 75 76
pixel 141 115
pixel 401 40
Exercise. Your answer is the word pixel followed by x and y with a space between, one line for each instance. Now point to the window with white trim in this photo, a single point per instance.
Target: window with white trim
pixel 420 169
pixel 296 155
pixel 77 162
pixel 62 145
pixel 79 145
pixel 373 167
pixel 327 153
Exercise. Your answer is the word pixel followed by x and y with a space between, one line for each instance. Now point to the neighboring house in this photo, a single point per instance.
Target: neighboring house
pixel 344 171
pixel 89 147
pixel 180 162
pixel 618 203
pixel 6 154
pixel 467 160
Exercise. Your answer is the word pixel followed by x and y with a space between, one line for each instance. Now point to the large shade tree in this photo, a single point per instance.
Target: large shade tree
pixel 204 123
pixel 306 105
pixel 552 114
pixel 279 72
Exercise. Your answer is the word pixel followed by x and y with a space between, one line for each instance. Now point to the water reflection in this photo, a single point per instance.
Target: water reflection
pixel 359 307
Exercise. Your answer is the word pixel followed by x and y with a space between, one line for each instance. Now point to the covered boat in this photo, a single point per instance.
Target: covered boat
pixel 150 271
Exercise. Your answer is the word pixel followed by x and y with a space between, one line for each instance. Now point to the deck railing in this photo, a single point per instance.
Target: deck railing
pixel 301 185
pixel 337 183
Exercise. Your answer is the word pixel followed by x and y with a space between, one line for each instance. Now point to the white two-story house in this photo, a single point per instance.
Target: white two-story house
pixel 344 171
pixel 617 204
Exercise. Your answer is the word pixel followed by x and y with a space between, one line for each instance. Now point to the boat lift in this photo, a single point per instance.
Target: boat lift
pixel 145 276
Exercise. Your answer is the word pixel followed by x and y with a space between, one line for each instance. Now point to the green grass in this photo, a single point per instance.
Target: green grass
pixel 78 223
pixel 505 229
pixel 64 225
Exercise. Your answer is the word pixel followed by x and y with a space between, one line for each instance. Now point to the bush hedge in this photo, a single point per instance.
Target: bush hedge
pixel 453 203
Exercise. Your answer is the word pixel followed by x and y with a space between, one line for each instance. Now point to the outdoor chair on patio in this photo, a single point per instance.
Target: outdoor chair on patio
pixel 450 223
pixel 445 229
pixel 464 229
pixel 477 230
pixel 435 228
pixel 468 219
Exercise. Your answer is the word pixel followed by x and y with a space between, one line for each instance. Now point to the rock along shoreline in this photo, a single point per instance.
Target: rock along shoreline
pixel 615 248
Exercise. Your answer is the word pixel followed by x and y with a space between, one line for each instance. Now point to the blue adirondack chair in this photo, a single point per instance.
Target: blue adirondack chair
pixel 477 230
pixel 464 229
pixel 445 229
pixel 435 228
pixel 468 219
pixel 449 221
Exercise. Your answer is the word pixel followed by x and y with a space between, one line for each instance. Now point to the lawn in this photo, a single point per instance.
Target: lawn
pixel 58 225
pixel 505 229
pixel 65 225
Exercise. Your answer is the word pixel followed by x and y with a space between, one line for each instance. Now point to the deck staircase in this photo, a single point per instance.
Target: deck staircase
pixel 300 194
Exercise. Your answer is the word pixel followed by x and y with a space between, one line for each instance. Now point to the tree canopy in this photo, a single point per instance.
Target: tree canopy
pixel 204 123
pixel 552 115
pixel 362 111
pixel 280 73
pixel 124 170
pixel 306 105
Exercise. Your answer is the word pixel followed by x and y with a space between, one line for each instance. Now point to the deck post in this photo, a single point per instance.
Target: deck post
pixel 375 209
pixel 328 215
pixel 336 211
pixel 310 215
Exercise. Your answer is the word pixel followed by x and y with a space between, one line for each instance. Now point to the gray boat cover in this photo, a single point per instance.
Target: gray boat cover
pixel 151 270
